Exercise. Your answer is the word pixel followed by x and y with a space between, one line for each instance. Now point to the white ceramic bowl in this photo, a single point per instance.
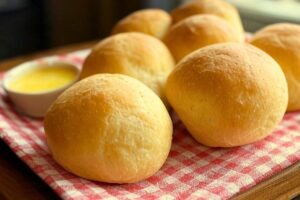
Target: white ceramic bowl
pixel 35 104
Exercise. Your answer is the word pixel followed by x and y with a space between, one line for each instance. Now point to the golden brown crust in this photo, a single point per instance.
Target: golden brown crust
pixel 198 31
pixel 231 94
pixel 282 42
pixel 134 54
pixel 219 8
pixel 109 128
pixel 154 22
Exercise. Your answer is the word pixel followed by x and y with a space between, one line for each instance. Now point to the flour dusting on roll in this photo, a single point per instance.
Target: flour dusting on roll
pixel 110 128
pixel 282 42
pixel 228 94
pixel 198 31
pixel 154 22
pixel 134 54
pixel 219 8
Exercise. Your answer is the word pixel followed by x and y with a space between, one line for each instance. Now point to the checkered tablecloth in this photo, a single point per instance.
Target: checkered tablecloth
pixel 192 171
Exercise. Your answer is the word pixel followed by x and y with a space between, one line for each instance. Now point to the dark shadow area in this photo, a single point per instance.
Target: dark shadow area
pixel 28 26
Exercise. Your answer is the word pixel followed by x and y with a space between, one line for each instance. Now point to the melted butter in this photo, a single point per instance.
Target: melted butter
pixel 43 79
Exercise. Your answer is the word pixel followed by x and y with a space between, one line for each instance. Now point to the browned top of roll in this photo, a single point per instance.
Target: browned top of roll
pixel 154 22
pixel 219 8
pixel 282 42
pixel 196 32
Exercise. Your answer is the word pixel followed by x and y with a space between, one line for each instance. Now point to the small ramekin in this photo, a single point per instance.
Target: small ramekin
pixel 35 104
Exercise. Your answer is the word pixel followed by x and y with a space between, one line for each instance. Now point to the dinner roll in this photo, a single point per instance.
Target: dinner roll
pixel 228 94
pixel 110 128
pixel 282 42
pixel 154 22
pixel 134 54
pixel 198 31
pixel 219 8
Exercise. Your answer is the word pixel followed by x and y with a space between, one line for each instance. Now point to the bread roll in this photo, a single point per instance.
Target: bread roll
pixel 109 128
pixel 154 22
pixel 198 31
pixel 228 94
pixel 219 8
pixel 134 54
pixel 282 42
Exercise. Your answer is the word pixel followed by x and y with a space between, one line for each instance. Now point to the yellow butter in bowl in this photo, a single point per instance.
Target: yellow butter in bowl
pixel 43 79
pixel 33 86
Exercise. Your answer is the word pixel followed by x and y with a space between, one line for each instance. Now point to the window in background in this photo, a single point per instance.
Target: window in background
pixel 259 13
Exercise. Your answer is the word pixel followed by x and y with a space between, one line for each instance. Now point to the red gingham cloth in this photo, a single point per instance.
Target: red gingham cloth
pixel 192 171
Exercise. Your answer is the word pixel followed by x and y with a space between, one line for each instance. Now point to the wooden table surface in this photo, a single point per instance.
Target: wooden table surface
pixel 17 181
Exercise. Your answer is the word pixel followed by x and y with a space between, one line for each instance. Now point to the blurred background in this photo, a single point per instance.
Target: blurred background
pixel 28 26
